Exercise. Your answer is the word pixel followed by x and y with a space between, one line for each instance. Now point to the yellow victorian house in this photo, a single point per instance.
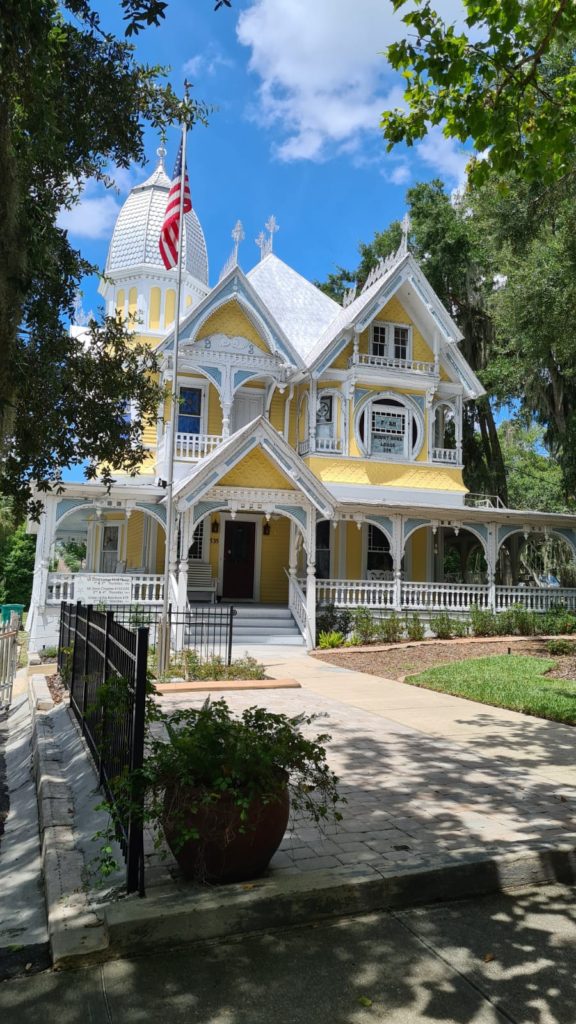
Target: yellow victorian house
pixel 318 452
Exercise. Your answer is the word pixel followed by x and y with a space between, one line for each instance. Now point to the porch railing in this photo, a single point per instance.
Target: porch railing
pixel 297 603
pixel 355 593
pixel 192 447
pixel 145 588
pixel 437 597
pixel 449 455
pixel 458 597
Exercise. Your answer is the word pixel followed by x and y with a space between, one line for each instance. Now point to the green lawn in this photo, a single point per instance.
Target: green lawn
pixel 514 681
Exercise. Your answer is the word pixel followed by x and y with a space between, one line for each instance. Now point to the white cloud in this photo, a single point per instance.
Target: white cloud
pixel 323 79
pixel 91 217
pixel 400 175
pixel 203 64
pixel 446 156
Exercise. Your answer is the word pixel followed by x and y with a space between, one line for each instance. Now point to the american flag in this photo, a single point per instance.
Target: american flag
pixel 168 242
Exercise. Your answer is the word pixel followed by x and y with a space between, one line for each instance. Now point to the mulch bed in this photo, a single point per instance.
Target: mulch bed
pixel 57 689
pixel 407 660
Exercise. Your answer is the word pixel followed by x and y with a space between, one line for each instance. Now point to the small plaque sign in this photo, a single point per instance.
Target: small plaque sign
pixel 102 589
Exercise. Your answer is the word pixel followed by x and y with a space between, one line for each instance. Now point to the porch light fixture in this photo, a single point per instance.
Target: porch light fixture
pixel 215 526
pixel 266 529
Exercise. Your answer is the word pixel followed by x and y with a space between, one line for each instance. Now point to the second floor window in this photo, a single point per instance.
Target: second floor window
pixel 390 341
pixel 388 431
pixel 325 416
pixel 379 347
pixel 401 338
pixel 190 414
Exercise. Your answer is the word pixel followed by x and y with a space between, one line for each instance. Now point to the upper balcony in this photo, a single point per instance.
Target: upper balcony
pixel 386 362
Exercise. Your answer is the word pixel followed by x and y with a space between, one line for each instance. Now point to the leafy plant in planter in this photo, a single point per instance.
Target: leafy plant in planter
pixel 220 786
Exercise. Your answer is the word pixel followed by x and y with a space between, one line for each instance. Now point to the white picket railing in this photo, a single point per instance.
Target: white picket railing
pixel 321 444
pixel 8 658
pixel 389 362
pixel 191 447
pixel 146 588
pixel 445 455
pixel 535 599
pixel 297 603
pixel 457 597
pixel 356 593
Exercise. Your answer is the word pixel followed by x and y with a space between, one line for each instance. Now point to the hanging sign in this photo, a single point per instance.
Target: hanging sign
pixel 98 588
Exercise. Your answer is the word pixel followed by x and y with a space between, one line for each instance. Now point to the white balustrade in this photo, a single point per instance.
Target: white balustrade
pixel 146 588
pixel 390 362
pixel 457 597
pixel 535 599
pixel 321 444
pixel 356 593
pixel 297 603
pixel 191 447
pixel 445 455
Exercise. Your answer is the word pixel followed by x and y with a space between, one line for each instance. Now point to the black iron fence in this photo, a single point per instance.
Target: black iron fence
pixel 103 663
pixel 207 629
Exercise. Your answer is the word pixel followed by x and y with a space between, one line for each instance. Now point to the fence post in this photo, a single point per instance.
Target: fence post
pixel 135 855
pixel 105 659
pixel 85 665
pixel 230 629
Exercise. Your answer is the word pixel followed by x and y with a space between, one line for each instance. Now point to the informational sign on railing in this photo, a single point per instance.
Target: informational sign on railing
pixel 102 589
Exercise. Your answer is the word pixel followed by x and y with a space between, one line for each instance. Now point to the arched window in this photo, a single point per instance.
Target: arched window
pixel 389 426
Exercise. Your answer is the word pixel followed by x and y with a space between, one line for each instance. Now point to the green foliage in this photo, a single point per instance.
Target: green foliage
pixel 17 553
pixel 518 682
pixel 66 665
pixel 364 625
pixel 534 476
pixel 415 627
pixel 61 401
pixel 330 618
pixel 445 627
pixel 73 553
pixel 519 621
pixel 506 81
pixel 190 665
pixel 49 653
pixel 331 639
pixel 391 629
pixel 561 647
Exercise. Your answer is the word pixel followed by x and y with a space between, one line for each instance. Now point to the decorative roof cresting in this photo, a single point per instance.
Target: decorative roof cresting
pixel 137 229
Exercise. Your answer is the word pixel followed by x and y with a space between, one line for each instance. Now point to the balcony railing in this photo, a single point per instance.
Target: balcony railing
pixel 392 363
pixel 191 447
pixel 321 444
pixel 449 455
pixel 412 596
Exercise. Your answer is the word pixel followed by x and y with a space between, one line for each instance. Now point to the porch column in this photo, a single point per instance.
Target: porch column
pixel 312 414
pixel 292 552
pixel 226 408
pixel 397 552
pixel 491 560
pixel 311 579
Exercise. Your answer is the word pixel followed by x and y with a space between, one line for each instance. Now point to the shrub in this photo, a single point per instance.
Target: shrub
pixel 526 622
pixel 66 667
pixel 48 653
pixel 364 625
pixel 332 639
pixel 190 665
pixel 391 629
pixel 484 623
pixel 560 647
pixel 415 627
pixel 442 625
pixel 331 619
pixel 459 627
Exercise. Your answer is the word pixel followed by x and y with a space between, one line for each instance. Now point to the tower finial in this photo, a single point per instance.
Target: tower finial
pixel 261 242
pixel 237 236
pixel 405 225
pixel 272 226
pixel 161 151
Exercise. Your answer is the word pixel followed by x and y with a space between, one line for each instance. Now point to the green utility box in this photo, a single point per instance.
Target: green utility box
pixel 7 610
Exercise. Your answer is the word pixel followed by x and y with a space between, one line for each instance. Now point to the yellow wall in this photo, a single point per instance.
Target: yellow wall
pixel 418 543
pixel 155 299
pixel 214 411
pixel 132 301
pixel 134 543
pixel 120 302
pixel 256 470
pixel 170 307
pixel 231 319
pixel 353 552
pixel 367 471
pixel 273 580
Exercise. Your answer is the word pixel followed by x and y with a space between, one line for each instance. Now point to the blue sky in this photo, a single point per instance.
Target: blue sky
pixel 298 87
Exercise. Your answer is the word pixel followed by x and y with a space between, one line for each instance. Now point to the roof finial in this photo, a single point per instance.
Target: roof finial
pixel 405 225
pixel 262 243
pixel 237 236
pixel 272 226
pixel 161 151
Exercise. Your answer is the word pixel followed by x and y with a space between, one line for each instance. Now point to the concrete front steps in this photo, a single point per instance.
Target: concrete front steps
pixel 265 624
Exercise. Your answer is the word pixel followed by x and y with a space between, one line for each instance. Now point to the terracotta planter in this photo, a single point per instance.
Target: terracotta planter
pixel 223 853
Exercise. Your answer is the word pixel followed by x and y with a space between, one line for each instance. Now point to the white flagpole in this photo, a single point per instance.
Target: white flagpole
pixel 164 632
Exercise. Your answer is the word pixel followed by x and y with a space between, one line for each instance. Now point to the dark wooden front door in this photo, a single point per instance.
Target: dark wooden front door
pixel 239 544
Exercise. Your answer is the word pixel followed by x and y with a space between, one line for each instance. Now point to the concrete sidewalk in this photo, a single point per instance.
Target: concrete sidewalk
pixel 542 748
pixel 499 960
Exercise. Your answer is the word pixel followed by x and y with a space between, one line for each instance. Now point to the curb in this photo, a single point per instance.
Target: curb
pixel 73 927
pixel 169 918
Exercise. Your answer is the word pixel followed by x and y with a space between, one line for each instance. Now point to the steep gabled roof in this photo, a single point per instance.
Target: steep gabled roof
pixel 302 310
pixel 236 286
pixel 257 434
